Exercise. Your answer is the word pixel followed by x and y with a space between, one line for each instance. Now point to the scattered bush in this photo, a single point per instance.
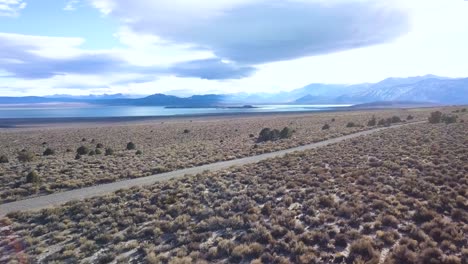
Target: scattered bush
pixel 423 215
pixel 409 117
pixel 26 156
pixel 305 207
pixel 131 146
pixel 435 117
pixel 32 177
pixel 82 150
pixel 363 250
pixel 77 156
pixel 98 151
pixel 372 122
pixel 325 127
pixel 271 135
pixel 326 201
pixel 390 220
pixel 431 255
pixel 99 145
pixel 449 119
pixel 351 124
pixel 382 122
pixel 4 159
pixel 264 135
pixel 109 152
pixel 186 131
pixel 395 119
pixel 159 169
pixel 138 152
pixel 49 152
pixel 286 133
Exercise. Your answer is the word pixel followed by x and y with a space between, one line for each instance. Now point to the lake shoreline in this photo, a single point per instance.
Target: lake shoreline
pixel 7 123
pixel 43 122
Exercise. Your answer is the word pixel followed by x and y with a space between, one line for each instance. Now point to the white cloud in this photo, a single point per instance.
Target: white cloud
pixel 259 31
pixel 105 6
pixel 50 47
pixel 11 7
pixel 71 5
pixel 144 49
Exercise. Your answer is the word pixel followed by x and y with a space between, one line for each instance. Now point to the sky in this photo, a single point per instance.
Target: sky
pixel 184 47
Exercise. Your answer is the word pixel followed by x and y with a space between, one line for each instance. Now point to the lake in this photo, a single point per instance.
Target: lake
pixel 61 111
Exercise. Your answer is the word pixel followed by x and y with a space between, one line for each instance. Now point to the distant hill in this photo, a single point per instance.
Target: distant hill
pixel 91 96
pixel 391 104
pixel 428 88
pixel 169 100
pixel 444 91
pixel 152 100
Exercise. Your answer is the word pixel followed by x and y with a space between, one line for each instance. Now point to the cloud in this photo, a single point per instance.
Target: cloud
pixel 33 57
pixel 211 69
pixel 260 31
pixel 71 5
pixel 11 7
pixel 38 57
pixel 20 57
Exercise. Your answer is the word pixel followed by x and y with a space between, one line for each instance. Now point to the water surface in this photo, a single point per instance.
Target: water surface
pixel 51 111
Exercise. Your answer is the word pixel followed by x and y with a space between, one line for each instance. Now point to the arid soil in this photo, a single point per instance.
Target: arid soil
pixel 396 196
pixel 160 146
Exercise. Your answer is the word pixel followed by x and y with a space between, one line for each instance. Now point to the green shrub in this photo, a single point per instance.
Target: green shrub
pixel 4 159
pixel 264 135
pixel 326 201
pixel 351 124
pixel 98 151
pixel 138 152
pixel 131 146
pixel 382 122
pixel 109 152
pixel 395 119
pixel 92 153
pixel 275 134
pixel 449 119
pixel 286 133
pixel 159 169
pixel 435 117
pixel 82 150
pixel 363 250
pixel 431 255
pixel 26 156
pixel 32 177
pixel 49 152
pixel 271 135
pixel 390 220
pixel 326 127
pixel 99 145
pixel 372 122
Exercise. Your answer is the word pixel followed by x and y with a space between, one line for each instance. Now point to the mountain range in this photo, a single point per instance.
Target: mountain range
pixel 428 88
